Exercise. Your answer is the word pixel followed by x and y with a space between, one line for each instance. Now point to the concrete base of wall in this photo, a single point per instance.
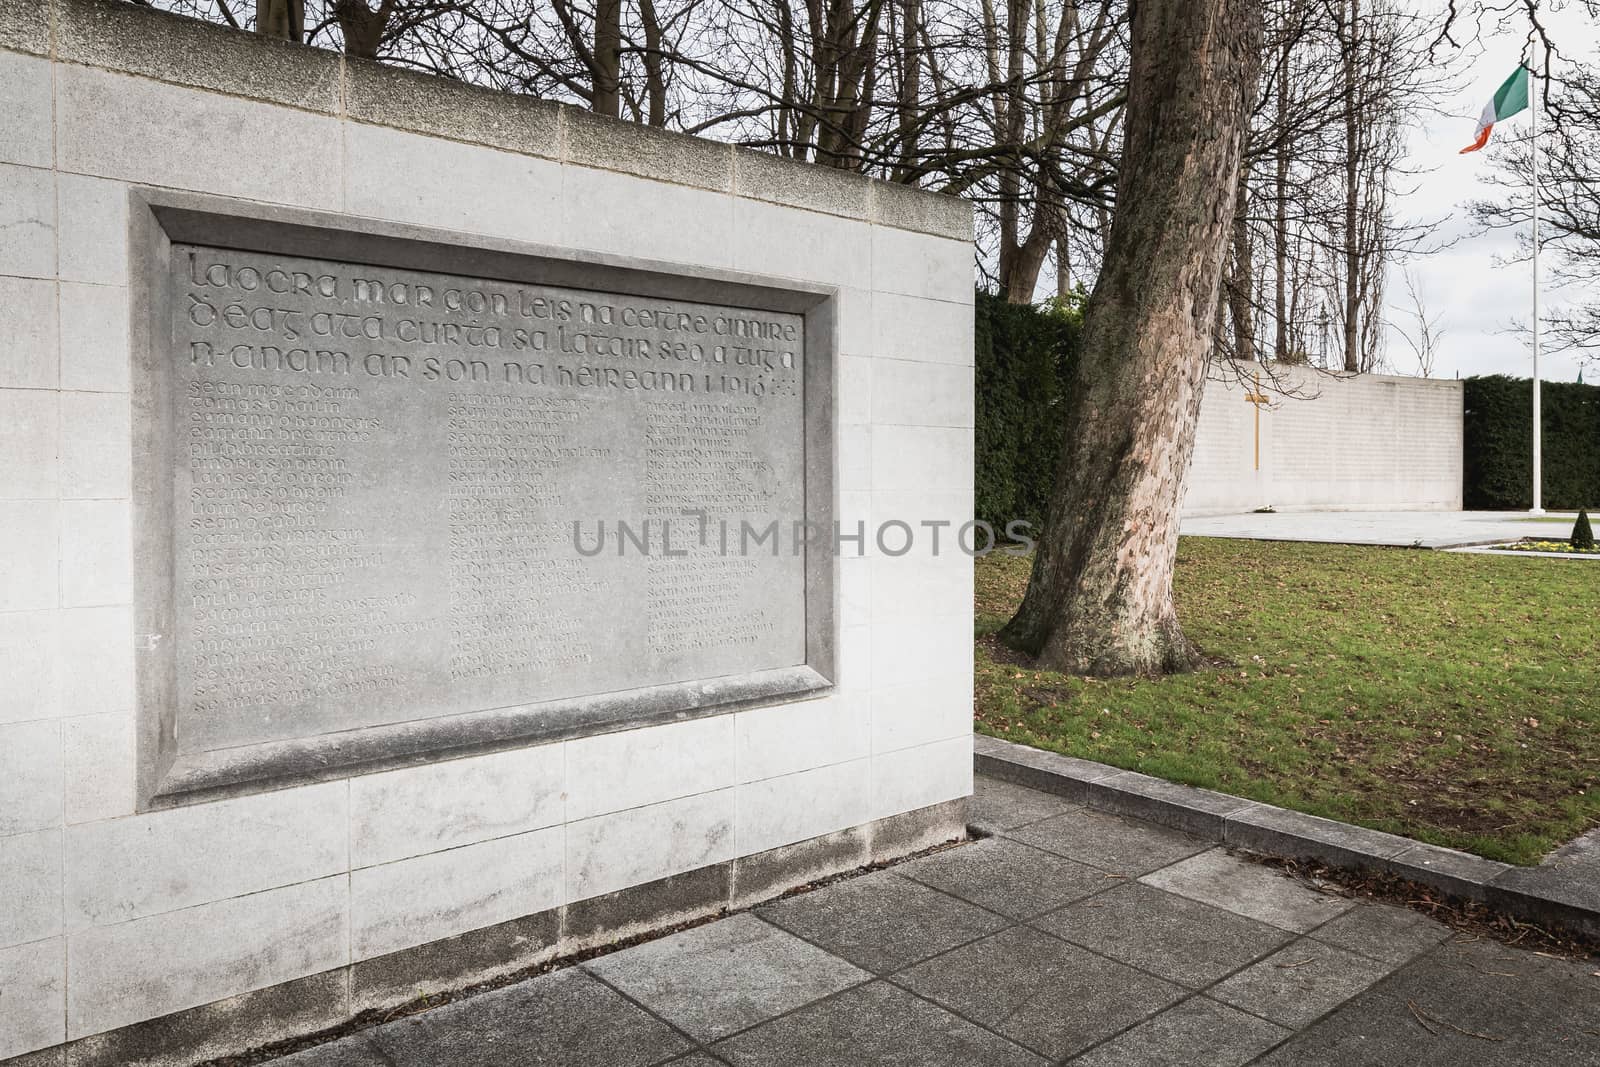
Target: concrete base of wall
pixel 320 1002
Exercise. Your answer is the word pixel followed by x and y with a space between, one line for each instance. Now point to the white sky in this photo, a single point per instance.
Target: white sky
pixel 1470 285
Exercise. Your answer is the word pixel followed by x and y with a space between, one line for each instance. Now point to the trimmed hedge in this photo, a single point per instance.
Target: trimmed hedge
pixel 1024 356
pixel 1499 444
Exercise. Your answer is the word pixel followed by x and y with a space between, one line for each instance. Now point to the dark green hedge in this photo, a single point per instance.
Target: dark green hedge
pixel 1023 357
pixel 1499 444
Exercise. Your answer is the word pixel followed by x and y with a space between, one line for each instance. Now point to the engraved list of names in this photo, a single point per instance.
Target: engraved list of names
pixel 377 474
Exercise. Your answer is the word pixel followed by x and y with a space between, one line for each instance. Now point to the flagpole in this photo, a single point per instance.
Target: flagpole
pixel 1538 429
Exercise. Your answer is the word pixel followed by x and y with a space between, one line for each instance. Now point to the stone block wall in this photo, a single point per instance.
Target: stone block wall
pixel 291 909
pixel 1368 442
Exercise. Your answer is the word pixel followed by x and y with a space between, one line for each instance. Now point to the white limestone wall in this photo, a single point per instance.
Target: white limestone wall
pixel 1368 442
pixel 109 917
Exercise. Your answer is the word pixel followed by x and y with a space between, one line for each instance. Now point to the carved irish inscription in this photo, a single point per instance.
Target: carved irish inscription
pixel 400 496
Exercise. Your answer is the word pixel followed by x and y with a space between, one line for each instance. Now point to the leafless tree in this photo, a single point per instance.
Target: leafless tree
pixel 1423 331
pixel 1315 232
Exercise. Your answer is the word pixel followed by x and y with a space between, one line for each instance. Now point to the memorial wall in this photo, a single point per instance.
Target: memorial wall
pixel 419 532
pixel 1320 441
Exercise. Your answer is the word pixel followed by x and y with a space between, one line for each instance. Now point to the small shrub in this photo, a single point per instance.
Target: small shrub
pixel 1583 533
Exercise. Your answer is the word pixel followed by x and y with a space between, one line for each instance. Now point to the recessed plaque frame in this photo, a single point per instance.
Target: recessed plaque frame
pixel 170 773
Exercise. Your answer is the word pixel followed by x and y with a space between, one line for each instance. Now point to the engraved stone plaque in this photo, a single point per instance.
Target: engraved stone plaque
pixel 414 510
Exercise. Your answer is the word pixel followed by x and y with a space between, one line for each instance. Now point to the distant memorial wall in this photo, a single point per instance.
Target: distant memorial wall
pixel 418 511
pixel 1296 437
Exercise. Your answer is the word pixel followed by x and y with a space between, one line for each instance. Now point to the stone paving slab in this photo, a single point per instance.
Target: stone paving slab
pixel 873 1024
pixel 1014 879
pixel 714 980
pixel 1389 935
pixel 1197 1033
pixel 1207 961
pixel 1476 1003
pixel 355 1051
pixel 999 805
pixel 1170 936
pixel 882 922
pixel 563 1019
pixel 1115 844
pixel 1040 991
pixel 1300 982
pixel 1248 889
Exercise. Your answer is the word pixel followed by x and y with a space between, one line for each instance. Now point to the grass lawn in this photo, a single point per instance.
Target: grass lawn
pixel 1448 697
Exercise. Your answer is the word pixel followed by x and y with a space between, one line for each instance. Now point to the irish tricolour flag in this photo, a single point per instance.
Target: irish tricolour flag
pixel 1510 98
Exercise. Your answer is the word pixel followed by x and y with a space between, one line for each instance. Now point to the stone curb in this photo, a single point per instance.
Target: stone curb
pixel 1552 894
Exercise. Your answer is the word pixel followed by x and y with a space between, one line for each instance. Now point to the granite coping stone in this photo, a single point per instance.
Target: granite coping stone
pixel 763 176
pixel 1278 831
pixel 25 26
pixel 1564 890
pixel 1200 811
pixel 1570 876
pixel 908 208
pixel 595 141
pixel 444 107
pixel 1048 772
pixel 134 39
pixel 1460 873
pixel 118 36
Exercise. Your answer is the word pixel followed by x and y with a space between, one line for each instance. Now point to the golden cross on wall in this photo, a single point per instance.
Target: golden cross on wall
pixel 1257 398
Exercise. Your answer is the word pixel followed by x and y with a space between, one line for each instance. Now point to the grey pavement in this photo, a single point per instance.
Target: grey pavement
pixel 1069 936
pixel 1427 529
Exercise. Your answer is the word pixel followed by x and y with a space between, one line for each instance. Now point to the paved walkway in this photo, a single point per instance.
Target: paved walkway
pixel 1428 529
pixel 1069 936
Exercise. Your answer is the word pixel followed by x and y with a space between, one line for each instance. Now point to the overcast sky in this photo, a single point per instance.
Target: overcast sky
pixel 1477 293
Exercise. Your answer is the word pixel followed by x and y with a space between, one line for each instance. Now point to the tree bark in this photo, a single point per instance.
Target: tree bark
pixel 1352 187
pixel 909 105
pixel 363 27
pixel 1100 597
pixel 607 98
pixel 282 18
pixel 655 60
pixel 1242 284
pixel 1280 210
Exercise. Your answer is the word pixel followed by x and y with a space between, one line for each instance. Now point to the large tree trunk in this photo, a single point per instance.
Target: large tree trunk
pixel 1100 598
